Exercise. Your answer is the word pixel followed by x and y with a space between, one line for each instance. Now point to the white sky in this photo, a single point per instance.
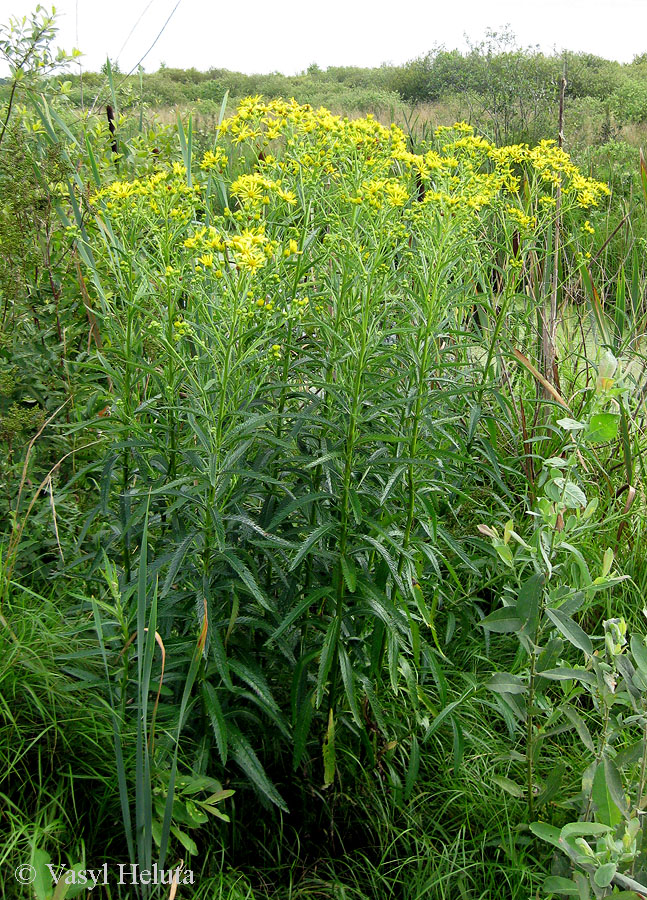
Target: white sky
pixel 288 35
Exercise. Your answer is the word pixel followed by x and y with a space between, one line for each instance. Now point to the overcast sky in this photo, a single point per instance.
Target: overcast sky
pixel 288 35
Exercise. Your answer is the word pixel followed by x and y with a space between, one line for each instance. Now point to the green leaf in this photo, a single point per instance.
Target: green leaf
pixel 329 751
pixel 505 553
pixel 581 727
pixel 508 786
pixel 413 768
pixel 607 793
pixel 309 542
pixel 546 833
pixel 328 652
pixel 187 842
pixel 245 757
pixel 350 573
pixel 602 428
pixel 639 652
pixel 176 562
pixel 247 578
pixel 42 884
pixel 216 717
pixel 298 610
pixel 555 884
pixel 349 683
pixel 302 729
pixel 552 785
pixel 570 425
pixel 528 602
pixel 505 683
pixel 583 829
pixel 502 620
pixel 562 673
pixel 567 492
pixel 604 875
pixel 570 630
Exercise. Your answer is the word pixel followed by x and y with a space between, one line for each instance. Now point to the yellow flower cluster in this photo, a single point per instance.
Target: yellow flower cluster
pixel 279 151
pixel 255 190
pixel 251 249
pixel 522 219
pixel 211 160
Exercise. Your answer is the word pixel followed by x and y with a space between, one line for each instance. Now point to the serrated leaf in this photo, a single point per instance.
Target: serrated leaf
pixel 245 757
pixel 42 884
pixel 327 656
pixel 349 572
pixel 311 539
pixel 348 679
pixel 329 756
pixel 413 768
pixel 176 562
pixel 216 718
pixel 302 728
pixel 247 578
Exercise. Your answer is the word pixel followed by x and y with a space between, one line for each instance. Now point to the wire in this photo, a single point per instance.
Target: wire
pixel 130 33
pixel 140 61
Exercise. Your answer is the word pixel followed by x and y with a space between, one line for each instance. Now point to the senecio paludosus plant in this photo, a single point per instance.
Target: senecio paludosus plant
pixel 284 369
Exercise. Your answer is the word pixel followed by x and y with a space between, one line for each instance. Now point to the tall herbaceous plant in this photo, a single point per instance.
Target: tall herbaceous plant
pixel 301 330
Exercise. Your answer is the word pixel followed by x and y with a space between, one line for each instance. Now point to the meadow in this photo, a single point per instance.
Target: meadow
pixel 322 570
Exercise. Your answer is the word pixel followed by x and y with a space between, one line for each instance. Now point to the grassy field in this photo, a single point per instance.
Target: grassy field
pixel 322 569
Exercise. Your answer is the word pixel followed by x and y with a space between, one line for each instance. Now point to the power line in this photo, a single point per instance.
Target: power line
pixel 140 61
pixel 130 33
pixel 138 64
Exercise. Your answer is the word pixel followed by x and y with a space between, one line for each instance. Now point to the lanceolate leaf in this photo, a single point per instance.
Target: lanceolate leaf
pixel 571 630
pixel 528 602
pixel 502 621
pixel 245 757
pixel 328 652
pixel 217 719
pixel 505 683
pixel 329 757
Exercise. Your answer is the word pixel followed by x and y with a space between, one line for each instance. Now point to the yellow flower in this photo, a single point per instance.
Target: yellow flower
pixel 396 194
pixel 212 160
